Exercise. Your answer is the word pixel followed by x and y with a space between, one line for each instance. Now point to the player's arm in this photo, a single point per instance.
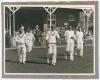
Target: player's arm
pixel 25 38
pixel 82 36
pixel 58 37
pixel 17 40
pixel 47 43
pixel 65 37
pixel 75 36
pixel 47 38
pixel 33 38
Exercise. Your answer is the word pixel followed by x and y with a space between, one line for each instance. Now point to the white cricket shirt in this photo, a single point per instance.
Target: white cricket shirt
pixel 68 34
pixel 51 36
pixel 79 35
pixel 21 38
pixel 30 36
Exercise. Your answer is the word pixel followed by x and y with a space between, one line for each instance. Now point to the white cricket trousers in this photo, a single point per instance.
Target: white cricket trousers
pixel 29 45
pixel 70 48
pixel 80 46
pixel 68 45
pixel 22 52
pixel 53 50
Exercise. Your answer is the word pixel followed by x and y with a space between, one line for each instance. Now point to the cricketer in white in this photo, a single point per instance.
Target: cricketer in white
pixel 79 41
pixel 30 40
pixel 69 38
pixel 51 38
pixel 21 45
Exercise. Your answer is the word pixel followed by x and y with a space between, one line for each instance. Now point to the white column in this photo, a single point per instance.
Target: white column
pixel 51 11
pixel 10 24
pixel 87 23
pixel 50 19
pixel 13 10
pixel 84 22
pixel 88 13
pixel 14 24
pixel 7 22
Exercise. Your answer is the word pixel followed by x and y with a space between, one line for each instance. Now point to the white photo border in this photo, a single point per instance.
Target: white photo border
pixel 59 6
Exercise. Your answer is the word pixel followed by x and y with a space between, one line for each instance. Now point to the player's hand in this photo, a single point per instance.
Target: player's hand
pixel 72 37
pixel 47 44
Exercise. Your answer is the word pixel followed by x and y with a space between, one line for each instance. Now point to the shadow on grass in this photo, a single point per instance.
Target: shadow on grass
pixel 36 62
pixel 11 61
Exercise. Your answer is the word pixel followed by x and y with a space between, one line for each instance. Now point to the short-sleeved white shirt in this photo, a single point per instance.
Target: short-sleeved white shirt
pixel 79 35
pixel 51 36
pixel 30 36
pixel 68 34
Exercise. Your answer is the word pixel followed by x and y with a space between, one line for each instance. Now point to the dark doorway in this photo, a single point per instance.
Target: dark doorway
pixel 30 17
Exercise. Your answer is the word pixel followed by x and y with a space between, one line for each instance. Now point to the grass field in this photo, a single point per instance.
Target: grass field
pixel 36 62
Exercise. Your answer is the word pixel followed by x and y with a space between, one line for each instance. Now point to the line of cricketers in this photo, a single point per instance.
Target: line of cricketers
pixel 25 41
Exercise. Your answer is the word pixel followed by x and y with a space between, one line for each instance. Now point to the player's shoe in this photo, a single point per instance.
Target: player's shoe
pixel 81 56
pixel 71 59
pixel 23 62
pixel 53 64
